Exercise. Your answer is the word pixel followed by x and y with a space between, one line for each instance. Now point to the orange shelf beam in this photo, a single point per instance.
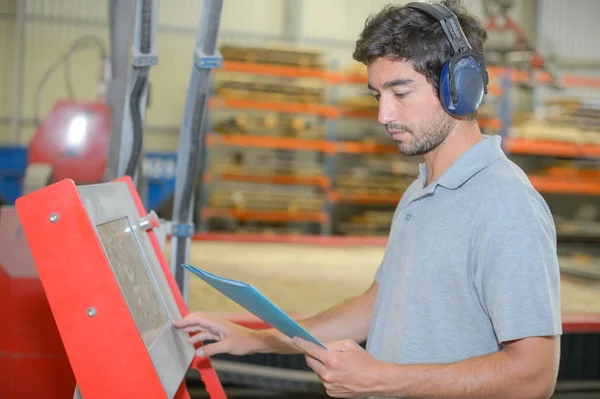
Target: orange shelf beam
pixel 320 181
pixel 273 106
pixel 560 186
pixel 365 148
pixel 266 216
pixel 281 70
pixel 281 143
pixel 590 150
pixel 363 113
pixel 541 147
pixel 354 78
pixel 581 81
pixel 551 148
pixel 366 113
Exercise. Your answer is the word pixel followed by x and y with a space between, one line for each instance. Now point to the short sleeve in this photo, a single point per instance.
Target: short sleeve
pixel 517 276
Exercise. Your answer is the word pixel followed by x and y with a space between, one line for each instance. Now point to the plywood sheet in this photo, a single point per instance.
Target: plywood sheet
pixel 307 279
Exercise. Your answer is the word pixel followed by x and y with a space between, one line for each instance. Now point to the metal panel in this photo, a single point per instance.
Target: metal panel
pixel 7 40
pixel 570 29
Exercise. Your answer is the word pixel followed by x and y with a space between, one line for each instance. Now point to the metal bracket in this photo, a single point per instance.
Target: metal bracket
pixel 208 61
pixel 143 60
pixel 183 230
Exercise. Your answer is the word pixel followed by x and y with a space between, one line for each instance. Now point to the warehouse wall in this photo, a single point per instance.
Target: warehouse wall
pixel 51 26
pixel 568 36
pixel 7 28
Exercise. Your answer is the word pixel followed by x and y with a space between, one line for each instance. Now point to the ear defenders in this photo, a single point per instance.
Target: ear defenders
pixel 464 78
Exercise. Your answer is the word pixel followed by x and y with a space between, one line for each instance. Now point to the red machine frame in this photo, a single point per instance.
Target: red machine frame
pixel 127 370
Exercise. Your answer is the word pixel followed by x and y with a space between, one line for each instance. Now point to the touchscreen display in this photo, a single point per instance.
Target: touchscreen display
pixel 133 276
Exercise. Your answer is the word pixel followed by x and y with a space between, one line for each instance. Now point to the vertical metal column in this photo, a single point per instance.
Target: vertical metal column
pixel 191 139
pixel 121 16
pixel 330 158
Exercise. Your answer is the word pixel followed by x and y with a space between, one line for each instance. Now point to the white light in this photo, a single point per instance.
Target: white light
pixel 77 131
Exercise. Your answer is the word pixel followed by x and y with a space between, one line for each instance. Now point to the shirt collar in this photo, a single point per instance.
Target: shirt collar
pixel 470 163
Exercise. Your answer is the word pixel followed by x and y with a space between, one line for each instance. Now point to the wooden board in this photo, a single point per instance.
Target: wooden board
pixel 245 199
pixel 272 124
pixel 273 55
pixel 307 279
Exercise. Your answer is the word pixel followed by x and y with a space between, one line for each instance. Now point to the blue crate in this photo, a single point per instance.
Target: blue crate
pixel 159 167
pixel 13 160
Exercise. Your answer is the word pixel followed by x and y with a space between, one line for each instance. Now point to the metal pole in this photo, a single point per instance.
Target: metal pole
pixel 18 72
pixel 121 17
pixel 191 139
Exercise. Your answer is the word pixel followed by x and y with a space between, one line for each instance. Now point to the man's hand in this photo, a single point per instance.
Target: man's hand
pixel 345 368
pixel 231 338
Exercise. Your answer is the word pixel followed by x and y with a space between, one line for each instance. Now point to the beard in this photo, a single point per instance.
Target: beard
pixel 428 137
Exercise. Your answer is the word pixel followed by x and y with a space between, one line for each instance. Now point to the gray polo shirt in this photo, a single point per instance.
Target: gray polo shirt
pixel 470 262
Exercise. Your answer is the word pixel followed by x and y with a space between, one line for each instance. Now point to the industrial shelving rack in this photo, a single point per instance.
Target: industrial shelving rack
pixel 330 146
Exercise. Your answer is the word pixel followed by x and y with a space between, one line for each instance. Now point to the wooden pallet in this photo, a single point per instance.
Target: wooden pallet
pixel 567 120
pixel 369 223
pixel 279 55
pixel 271 124
pixel 372 183
pixel 245 199
pixel 305 171
pixel 539 130
pixel 271 91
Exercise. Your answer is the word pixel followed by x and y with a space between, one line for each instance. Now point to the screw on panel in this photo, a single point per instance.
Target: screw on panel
pixel 91 312
pixel 54 218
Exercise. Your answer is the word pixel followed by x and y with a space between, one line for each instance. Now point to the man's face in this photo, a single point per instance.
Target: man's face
pixel 408 107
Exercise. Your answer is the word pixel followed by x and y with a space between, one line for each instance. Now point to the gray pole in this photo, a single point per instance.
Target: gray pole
pixel 121 18
pixel 191 139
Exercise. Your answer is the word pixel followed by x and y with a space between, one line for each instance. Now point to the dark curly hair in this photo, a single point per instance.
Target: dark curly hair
pixel 406 34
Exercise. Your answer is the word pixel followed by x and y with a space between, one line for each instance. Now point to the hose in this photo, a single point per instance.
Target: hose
pixel 136 123
pixel 137 91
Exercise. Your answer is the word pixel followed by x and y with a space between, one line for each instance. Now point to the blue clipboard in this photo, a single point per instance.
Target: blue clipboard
pixel 256 303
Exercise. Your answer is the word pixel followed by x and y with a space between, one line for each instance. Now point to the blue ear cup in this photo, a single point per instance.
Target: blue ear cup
pixel 461 86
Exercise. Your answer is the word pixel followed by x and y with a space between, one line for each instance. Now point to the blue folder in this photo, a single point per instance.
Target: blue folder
pixel 256 303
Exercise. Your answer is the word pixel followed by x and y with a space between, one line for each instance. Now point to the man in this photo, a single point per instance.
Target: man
pixel 466 301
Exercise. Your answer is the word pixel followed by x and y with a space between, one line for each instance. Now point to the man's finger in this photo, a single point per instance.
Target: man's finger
pixel 203 336
pixel 192 329
pixel 311 349
pixel 315 365
pixel 213 349
pixel 199 321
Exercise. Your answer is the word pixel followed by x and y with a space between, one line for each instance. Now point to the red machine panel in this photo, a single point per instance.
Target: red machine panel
pixel 30 344
pixel 110 291
pixel 73 138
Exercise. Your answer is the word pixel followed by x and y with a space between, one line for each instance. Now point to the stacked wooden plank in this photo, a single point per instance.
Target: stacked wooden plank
pixel 368 223
pixel 278 55
pixel 567 119
pixel 372 185
pixel 271 124
pixel 265 89
pixel 270 200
